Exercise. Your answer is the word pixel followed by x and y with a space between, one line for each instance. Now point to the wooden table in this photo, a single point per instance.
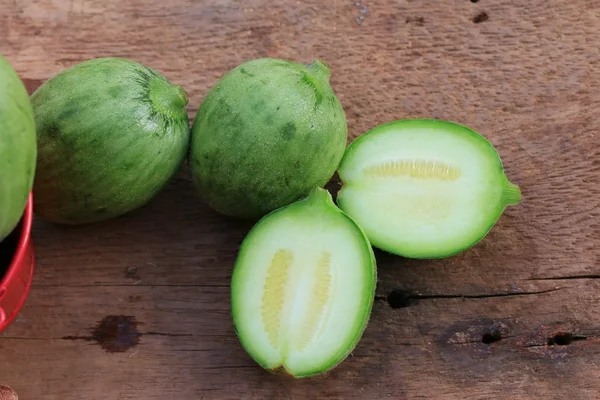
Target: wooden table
pixel 137 307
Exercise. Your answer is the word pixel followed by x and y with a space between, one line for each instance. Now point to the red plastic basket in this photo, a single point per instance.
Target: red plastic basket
pixel 15 284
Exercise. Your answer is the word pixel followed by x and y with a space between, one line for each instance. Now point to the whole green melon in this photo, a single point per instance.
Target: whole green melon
pixel 266 134
pixel 111 134
pixel 17 148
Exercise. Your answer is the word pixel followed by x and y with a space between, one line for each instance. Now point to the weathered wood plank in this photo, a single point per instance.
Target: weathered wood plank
pixel 515 317
pixel 186 347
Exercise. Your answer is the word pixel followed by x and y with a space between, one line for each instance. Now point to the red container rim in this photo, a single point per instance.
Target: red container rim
pixel 15 264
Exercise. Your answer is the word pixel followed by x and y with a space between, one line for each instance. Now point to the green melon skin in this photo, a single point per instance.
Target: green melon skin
pixel 302 287
pixel 267 133
pixel 423 188
pixel 18 150
pixel 111 134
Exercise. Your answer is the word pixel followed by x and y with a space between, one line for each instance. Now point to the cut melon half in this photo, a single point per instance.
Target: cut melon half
pixel 303 286
pixel 424 188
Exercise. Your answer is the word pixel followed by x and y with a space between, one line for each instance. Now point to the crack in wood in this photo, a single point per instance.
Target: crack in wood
pixel 551 342
pixel 480 341
pixel 481 296
pixel 568 277
pixel 557 340
pixel 564 339
pixel 412 296
pixel 119 333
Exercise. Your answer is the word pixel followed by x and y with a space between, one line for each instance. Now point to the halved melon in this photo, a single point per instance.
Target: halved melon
pixel 424 188
pixel 303 287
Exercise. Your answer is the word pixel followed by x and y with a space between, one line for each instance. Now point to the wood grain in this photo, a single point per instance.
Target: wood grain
pixel 516 317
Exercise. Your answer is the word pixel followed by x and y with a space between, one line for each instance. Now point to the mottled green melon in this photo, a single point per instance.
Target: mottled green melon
pixel 111 134
pixel 266 134
pixel 17 148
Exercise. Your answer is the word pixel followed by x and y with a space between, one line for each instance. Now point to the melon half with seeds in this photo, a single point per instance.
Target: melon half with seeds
pixel 303 287
pixel 424 188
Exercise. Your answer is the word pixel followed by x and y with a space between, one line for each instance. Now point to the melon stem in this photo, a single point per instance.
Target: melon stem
pixel 512 194
pixel 320 70
pixel 320 196
pixel 167 99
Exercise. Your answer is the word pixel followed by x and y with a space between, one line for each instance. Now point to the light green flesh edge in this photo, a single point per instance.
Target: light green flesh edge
pixel 423 188
pixel 18 150
pixel 303 287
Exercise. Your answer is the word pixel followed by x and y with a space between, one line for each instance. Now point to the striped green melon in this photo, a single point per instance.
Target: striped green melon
pixel 17 148
pixel 111 134
pixel 266 134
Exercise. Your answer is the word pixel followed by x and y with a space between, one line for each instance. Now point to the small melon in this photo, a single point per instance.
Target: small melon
pixel 111 134
pixel 267 133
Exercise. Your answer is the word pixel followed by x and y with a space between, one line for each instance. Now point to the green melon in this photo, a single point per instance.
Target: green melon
pixel 111 134
pixel 267 133
pixel 17 148
pixel 303 286
pixel 424 188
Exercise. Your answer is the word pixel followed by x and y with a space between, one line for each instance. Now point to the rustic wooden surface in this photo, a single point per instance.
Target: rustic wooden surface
pixel 516 317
